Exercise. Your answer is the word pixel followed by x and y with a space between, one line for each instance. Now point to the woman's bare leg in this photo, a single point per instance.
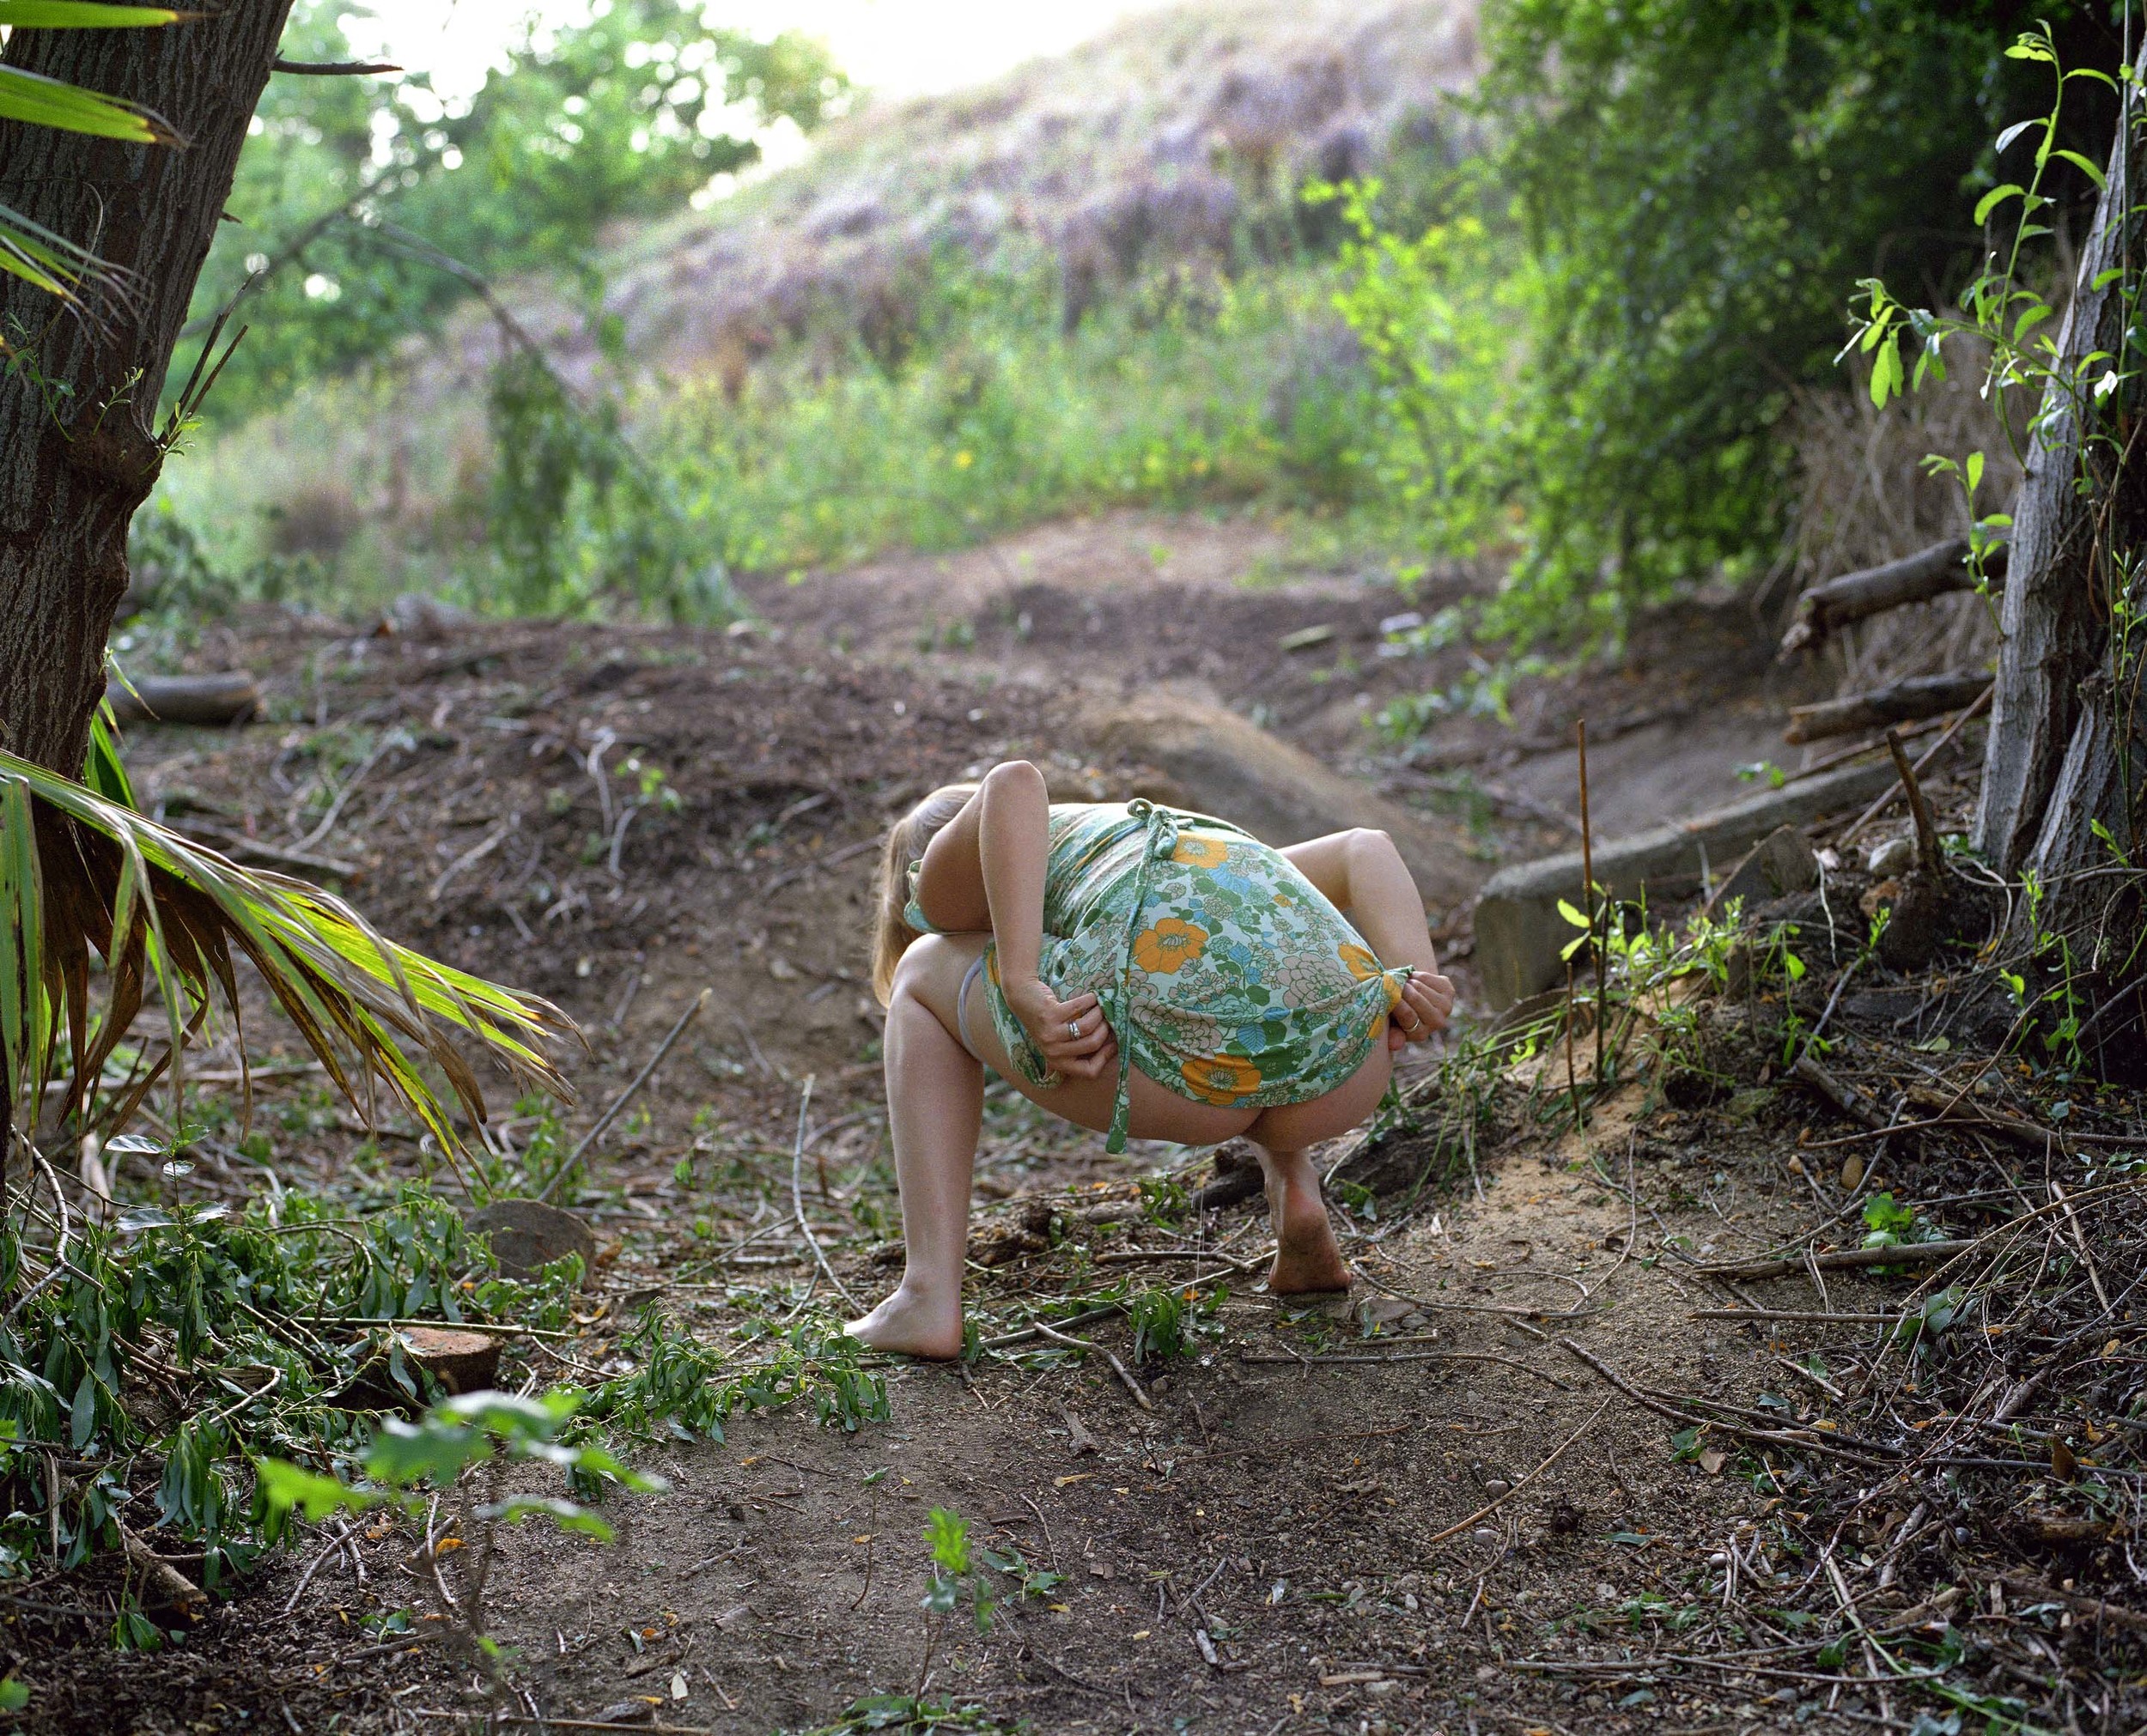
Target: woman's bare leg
pixel 935 1108
pixel 1307 1259
pixel 935 1096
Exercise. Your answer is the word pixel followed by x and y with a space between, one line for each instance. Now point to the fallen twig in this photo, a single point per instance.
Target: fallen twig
pixel 627 1095
pixel 1807 1439
pixel 1117 1368
pixel 1023 1335
pixel 797 1192
pixel 333 1547
pixel 1557 1452
pixel 1842 1260
pixel 186 1595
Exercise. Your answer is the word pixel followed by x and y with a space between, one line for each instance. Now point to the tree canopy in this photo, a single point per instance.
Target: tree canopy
pixel 367 201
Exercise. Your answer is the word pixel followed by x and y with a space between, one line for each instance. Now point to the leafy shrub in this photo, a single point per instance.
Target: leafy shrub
pixel 1697 188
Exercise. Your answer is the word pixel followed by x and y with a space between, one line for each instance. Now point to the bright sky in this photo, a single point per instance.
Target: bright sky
pixel 897 47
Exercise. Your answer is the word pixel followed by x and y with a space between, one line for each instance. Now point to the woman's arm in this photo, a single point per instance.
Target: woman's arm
pixel 1363 873
pixel 985 870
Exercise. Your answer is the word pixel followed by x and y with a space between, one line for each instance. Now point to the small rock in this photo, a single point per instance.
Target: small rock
pixel 528 1235
pixel 1078 1436
pixel 1779 863
pixel 1895 856
pixel 425 619
pixel 1485 1534
pixel 1102 1569
pixel 628 1712
pixel 1497 1488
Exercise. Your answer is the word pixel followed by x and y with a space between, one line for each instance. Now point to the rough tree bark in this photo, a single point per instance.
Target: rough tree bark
pixel 2052 726
pixel 78 446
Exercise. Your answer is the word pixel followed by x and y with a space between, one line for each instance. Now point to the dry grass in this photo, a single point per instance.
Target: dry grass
pixel 1867 498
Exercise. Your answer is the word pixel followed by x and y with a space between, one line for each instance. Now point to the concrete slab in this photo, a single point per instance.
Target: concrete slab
pixel 1520 934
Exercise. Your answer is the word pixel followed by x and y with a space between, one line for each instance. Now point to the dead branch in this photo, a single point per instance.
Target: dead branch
pixel 1842 1260
pixel 1901 701
pixel 1933 572
pixel 1928 858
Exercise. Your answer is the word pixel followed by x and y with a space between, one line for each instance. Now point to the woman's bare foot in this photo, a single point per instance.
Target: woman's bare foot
pixel 1307 1259
pixel 913 1326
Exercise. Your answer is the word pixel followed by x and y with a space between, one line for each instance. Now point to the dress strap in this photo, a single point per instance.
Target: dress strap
pixel 1162 826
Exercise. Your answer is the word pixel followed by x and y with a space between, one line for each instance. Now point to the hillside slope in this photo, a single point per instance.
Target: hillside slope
pixel 1161 139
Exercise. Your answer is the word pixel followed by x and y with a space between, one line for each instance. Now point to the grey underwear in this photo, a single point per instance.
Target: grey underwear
pixel 961 1003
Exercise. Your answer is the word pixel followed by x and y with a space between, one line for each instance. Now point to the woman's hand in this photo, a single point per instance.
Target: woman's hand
pixel 1427 1003
pixel 1071 1034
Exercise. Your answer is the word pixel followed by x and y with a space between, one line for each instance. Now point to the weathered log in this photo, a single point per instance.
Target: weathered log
pixel 460 1361
pixel 1902 701
pixel 1933 572
pixel 1521 934
pixel 214 700
pixel 2055 625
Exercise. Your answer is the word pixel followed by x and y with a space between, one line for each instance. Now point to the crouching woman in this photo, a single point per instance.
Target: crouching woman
pixel 1142 972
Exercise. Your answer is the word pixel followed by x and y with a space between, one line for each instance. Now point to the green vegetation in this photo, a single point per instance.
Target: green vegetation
pixel 57 264
pixel 367 210
pixel 171 1348
pixel 1700 187
pixel 1576 355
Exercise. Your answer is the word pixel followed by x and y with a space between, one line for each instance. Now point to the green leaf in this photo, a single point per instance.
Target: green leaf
pixel 83 1414
pixel 81 15
pixel 1885 1215
pixel 1997 196
pixel 14 1695
pixel 2092 171
pixel 42 102
pixel 1974 472
pixel 1886 372
pixel 514 1418
pixel 284 1486
pixel 568 1516
pixel 947 1534
pixel 405 1453
pixel 354 995
pixel 103 770
pixel 1566 910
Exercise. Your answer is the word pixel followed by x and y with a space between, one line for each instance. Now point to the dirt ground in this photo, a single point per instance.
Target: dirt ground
pixel 1419 1509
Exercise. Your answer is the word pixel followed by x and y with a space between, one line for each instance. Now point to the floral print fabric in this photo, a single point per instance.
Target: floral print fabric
pixel 1226 975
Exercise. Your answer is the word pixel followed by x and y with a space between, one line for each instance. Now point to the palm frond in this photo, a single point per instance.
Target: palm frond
pixel 82 15
pixel 42 102
pixel 53 263
pixel 82 873
pixel 29 250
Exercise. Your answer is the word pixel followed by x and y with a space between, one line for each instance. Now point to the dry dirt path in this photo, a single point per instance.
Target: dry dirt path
pixel 492 835
pixel 1208 607
pixel 1289 1498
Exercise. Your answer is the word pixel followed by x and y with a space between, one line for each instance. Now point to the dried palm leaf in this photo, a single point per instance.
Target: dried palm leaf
pixel 83 874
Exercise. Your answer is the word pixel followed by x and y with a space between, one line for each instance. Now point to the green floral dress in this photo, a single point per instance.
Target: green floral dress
pixel 1225 976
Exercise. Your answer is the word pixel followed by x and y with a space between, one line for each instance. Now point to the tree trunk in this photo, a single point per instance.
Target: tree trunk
pixel 78 443
pixel 2058 599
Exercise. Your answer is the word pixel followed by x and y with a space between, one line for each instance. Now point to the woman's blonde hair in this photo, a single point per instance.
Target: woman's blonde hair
pixel 906 841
